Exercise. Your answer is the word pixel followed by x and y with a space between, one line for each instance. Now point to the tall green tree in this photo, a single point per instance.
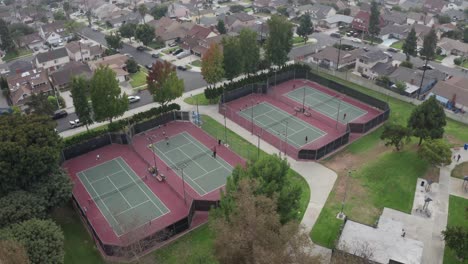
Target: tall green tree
pixel 410 44
pixel 106 97
pixel 221 27
pixel 80 94
pixel 305 27
pixel 72 27
pixel 132 66
pixel 428 120
pixel 128 30
pixel 59 15
pixel 232 57
pixel 55 189
pixel 20 206
pixel 18 30
pixel 43 240
pixel 39 104
pixel 89 16
pixel 279 41
pixel 436 152
pixel 163 82
pixel 212 65
pixel 158 11
pixel 374 21
pixel 143 10
pixel 114 41
pixel 7 41
pixel 465 35
pixel 250 50
pixel 395 135
pixel 428 51
pixel 28 141
pixel 66 7
pixel 144 33
pixel 456 238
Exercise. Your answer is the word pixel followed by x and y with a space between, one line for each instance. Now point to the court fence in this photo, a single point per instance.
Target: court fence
pixel 292 72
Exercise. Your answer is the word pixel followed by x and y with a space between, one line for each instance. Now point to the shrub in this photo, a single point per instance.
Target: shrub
pixel 406 64
pixel 458 61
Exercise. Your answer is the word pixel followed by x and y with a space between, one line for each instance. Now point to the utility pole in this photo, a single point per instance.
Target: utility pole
pixel 339 53
pixel 422 79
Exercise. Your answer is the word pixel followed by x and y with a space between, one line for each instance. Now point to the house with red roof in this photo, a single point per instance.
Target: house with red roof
pixel 361 21
pixel 195 38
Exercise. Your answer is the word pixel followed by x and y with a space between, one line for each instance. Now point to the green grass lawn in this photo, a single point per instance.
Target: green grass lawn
pixel 457 217
pixel 169 50
pixel 201 100
pixel 460 170
pixel 138 79
pixel 9 56
pixel 248 10
pixel 398 44
pixel 79 245
pixel 439 58
pixel 298 41
pixel 196 63
pixel 465 64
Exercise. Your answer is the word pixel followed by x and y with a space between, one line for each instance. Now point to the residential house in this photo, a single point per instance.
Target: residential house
pixel 32 41
pixel 443 28
pixel 361 21
pixel 420 18
pixel 205 44
pixel 328 58
pixel 453 47
pixel 127 17
pixel 169 30
pixel 261 28
pixel 453 93
pixel 412 78
pixel 336 21
pixel 433 6
pixel 19 66
pixel 194 36
pixel 52 60
pixel 455 14
pixel 54 33
pixel 239 20
pixel 178 11
pixel 340 4
pixel 23 85
pixel 116 62
pixel 366 61
pixel 395 31
pixel 105 11
pixel 393 17
pixel 303 9
pixel 63 77
pixel 320 12
pixel 411 4
pixel 383 69
pixel 78 51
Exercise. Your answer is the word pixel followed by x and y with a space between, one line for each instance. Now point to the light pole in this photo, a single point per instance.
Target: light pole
pixel 258 146
pixel 286 138
pixel 338 114
pixel 183 182
pixel 341 215
pixel 303 100
pixel 150 139
pixel 252 116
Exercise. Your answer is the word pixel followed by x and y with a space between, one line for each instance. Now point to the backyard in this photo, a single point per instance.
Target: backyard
pixel 457 217
pixel 15 54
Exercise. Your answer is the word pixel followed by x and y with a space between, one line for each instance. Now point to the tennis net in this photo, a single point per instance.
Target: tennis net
pixel 182 164
pixel 126 186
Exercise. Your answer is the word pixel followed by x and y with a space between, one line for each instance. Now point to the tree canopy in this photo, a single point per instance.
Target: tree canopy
pixel 395 135
pixel 305 27
pixel 55 189
pixel 163 82
pixel 279 41
pixel 114 41
pixel 106 97
pixel 143 10
pixel 436 151
pixel 212 65
pixel 158 11
pixel 7 43
pixel 59 15
pixel 132 66
pixel 128 30
pixel 80 93
pixel 39 104
pixel 144 33
pixel 221 27
pixel 410 44
pixel 456 238
pixel 20 206
pixel 232 57
pixel 428 120
pixel 429 45
pixel 374 20
pixel 250 50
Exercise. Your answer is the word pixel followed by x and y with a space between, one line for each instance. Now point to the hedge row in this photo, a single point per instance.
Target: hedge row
pixel 120 124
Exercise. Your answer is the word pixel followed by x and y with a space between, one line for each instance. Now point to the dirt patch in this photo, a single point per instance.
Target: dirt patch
pixel 453 140
pixel 432 174
pixel 460 170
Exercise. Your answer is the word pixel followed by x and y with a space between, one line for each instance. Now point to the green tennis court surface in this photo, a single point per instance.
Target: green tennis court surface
pixel 122 197
pixel 184 154
pixel 326 104
pixel 282 124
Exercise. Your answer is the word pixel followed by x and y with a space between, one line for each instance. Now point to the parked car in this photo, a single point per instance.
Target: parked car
pixel 392 50
pixel 155 55
pixel 140 48
pixel 388 54
pixel 172 44
pixel 366 49
pixel 335 35
pixel 356 40
pixel 133 99
pixel 183 54
pixel 75 123
pixel 424 67
pixel 149 66
pixel 177 52
pixel 59 114
pixel 128 55
pixel 182 68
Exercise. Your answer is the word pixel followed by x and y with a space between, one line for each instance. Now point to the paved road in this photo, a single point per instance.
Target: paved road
pixel 146 98
pixel 192 80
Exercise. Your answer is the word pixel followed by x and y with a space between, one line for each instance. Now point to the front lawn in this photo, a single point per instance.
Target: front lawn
pixel 460 170
pixel 202 100
pixel 439 57
pixel 156 45
pixel 169 50
pixel 398 44
pixel 196 63
pixel 9 56
pixel 458 208
pixel 79 245
pixel 298 41
pixel 137 79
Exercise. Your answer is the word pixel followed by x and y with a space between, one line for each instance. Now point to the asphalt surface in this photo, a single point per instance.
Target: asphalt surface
pixel 192 80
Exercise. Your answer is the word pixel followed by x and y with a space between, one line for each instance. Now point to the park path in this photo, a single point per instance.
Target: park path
pixel 319 178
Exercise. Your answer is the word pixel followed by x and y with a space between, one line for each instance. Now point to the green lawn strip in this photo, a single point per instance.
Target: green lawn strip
pixel 460 170
pixel 248 151
pixel 79 246
pixel 138 79
pixel 298 40
pixel 198 243
pixel 388 181
pixel 397 45
pixel 457 217
pixel 196 63
pixel 439 58
pixel 9 56
pixel 202 100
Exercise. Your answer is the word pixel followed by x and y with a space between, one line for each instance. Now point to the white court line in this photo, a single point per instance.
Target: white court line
pixel 126 210
pixel 208 172
pixel 106 177
pixel 178 147
pixel 119 191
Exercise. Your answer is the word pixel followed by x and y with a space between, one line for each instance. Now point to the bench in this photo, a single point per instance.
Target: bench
pixel 297 109
pixel 160 177
pixel 307 114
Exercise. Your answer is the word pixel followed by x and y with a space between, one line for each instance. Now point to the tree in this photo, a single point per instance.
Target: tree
pixel 410 44
pixel 163 82
pixel 11 252
pixel 279 41
pixel 252 233
pixel 406 64
pixel 42 239
pixel 282 10
pixel 250 50
pixel 71 26
pixel 59 15
pixel 158 11
pixel 305 27
pixel 465 35
pixel 401 87
pixel 436 152
pixel 28 141
pixel 236 8
pixel 128 30
pixel 20 206
pixel 456 238
pixel 232 57
pixel 39 104
pixel 66 7
pixel 395 135
pixel 429 45
pixel 428 120
pixel 89 16
pixel 444 19
pixel 80 95
pixel 145 34
pixel 143 10
pixel 114 41
pixel 132 66
pixel 212 65
pixel 18 30
pixel 347 11
pixel 3 83
pixel 106 97
pixel 374 21
pixel 55 189
pixel 221 27
pixel 7 42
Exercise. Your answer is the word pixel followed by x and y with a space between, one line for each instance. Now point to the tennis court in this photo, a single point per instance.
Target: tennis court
pixel 326 104
pixel 193 162
pixel 121 195
pixel 282 124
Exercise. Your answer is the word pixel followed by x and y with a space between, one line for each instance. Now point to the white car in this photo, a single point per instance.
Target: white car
pixel 133 99
pixel 75 123
pixel 356 40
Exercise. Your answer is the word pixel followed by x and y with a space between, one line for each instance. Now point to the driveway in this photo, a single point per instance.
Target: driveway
pixel 388 42
pixel 448 61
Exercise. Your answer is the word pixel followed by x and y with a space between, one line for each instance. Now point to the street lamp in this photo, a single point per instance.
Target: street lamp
pixel 341 215
pixel 150 139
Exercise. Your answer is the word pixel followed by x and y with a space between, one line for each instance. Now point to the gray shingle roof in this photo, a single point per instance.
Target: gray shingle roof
pixel 51 55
